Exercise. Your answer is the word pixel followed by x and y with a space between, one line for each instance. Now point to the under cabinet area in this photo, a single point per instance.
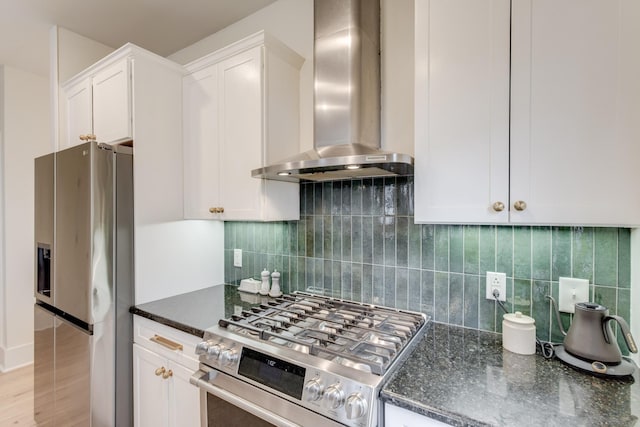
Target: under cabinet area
pixel 241 111
pixel 163 361
pixel 527 112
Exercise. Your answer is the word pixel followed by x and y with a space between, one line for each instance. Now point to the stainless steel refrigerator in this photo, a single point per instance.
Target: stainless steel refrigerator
pixel 84 287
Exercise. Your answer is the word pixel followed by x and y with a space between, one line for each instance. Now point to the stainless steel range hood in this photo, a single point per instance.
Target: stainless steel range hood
pixel 346 100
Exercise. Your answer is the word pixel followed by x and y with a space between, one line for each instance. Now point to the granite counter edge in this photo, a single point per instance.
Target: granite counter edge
pixel 168 322
pixel 453 419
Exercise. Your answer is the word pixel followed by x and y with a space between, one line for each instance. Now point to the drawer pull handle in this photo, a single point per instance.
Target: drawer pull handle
pixel 160 371
pixel 172 345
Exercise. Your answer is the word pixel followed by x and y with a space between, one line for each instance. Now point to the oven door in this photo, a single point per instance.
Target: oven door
pixel 230 402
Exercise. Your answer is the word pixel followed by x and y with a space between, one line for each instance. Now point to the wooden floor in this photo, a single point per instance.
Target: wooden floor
pixel 16 397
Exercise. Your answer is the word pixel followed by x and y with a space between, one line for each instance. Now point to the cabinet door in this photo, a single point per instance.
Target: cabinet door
pixel 112 103
pixel 201 148
pixel 184 398
pixel 150 391
pixel 575 117
pixel 79 117
pixel 240 134
pixel 462 111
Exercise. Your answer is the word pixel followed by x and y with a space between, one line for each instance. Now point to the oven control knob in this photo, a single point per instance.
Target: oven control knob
pixel 214 351
pixel 333 397
pixel 228 357
pixel 356 406
pixel 208 348
pixel 314 389
pixel 202 348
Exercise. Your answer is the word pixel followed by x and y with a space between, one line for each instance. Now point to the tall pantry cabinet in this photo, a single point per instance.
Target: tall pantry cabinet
pixel 527 111
pixel 133 94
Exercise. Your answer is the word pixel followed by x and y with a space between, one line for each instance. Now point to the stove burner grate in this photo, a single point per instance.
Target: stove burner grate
pixel 361 336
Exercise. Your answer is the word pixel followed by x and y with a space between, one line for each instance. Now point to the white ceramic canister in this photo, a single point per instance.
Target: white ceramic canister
pixel 519 333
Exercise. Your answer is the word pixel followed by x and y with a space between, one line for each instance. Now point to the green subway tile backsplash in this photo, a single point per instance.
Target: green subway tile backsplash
pixel 357 240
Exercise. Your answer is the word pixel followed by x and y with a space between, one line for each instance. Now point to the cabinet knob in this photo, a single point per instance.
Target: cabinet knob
pixel 91 137
pixel 167 374
pixel 160 371
pixel 498 206
pixel 216 210
pixel 83 137
pixel 520 205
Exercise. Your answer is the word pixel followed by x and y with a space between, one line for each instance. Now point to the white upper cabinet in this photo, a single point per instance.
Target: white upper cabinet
pixel 98 105
pixel 112 119
pixel 553 139
pixel 462 111
pixel 575 111
pixel 240 134
pixel 241 111
pixel 79 108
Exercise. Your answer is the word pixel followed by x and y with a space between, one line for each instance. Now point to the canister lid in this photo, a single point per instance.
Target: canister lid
pixel 519 318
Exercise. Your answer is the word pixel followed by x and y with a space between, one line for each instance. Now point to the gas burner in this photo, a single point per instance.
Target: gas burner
pixel 364 337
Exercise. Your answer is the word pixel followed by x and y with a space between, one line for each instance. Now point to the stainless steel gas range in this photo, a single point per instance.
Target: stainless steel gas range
pixel 303 360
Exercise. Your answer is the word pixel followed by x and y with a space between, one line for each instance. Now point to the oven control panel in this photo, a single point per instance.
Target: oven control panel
pixel 342 399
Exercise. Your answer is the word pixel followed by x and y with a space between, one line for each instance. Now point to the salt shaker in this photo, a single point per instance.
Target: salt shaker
pixel 275 285
pixel 264 289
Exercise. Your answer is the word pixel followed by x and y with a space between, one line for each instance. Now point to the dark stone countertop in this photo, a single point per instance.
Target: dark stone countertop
pixel 196 311
pixel 463 377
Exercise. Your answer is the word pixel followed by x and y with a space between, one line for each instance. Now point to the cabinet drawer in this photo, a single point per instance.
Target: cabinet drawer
pixel 395 416
pixel 169 342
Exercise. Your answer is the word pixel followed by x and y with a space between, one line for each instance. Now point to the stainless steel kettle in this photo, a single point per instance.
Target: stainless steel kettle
pixel 590 336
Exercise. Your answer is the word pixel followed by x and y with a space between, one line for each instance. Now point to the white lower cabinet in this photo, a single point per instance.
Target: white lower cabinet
pixel 163 395
pixel 395 416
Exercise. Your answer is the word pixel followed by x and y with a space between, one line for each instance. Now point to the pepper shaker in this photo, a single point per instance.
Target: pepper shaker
pixel 275 285
pixel 264 289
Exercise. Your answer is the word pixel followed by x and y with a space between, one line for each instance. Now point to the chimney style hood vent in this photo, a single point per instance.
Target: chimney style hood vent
pixel 346 100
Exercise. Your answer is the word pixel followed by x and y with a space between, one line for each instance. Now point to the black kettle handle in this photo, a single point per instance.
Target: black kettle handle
pixel 626 332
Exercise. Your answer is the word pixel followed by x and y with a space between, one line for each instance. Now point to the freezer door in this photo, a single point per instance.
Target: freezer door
pixel 43 227
pixel 72 367
pixel 84 219
pixel 43 341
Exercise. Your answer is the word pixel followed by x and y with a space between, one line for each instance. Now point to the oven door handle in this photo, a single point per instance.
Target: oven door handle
pixel 201 379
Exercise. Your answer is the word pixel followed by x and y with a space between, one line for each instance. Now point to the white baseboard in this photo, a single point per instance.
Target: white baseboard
pixel 16 357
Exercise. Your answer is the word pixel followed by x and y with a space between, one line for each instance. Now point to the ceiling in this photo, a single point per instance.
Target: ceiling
pixel 161 26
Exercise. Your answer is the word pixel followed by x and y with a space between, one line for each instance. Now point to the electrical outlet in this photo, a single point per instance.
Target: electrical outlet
pixel 237 257
pixel 496 281
pixel 571 291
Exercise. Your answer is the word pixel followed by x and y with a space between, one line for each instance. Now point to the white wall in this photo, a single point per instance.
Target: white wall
pixel 70 53
pixel 180 256
pixel 25 112
pixel 291 21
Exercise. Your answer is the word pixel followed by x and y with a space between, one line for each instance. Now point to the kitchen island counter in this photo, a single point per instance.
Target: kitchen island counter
pixel 464 377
